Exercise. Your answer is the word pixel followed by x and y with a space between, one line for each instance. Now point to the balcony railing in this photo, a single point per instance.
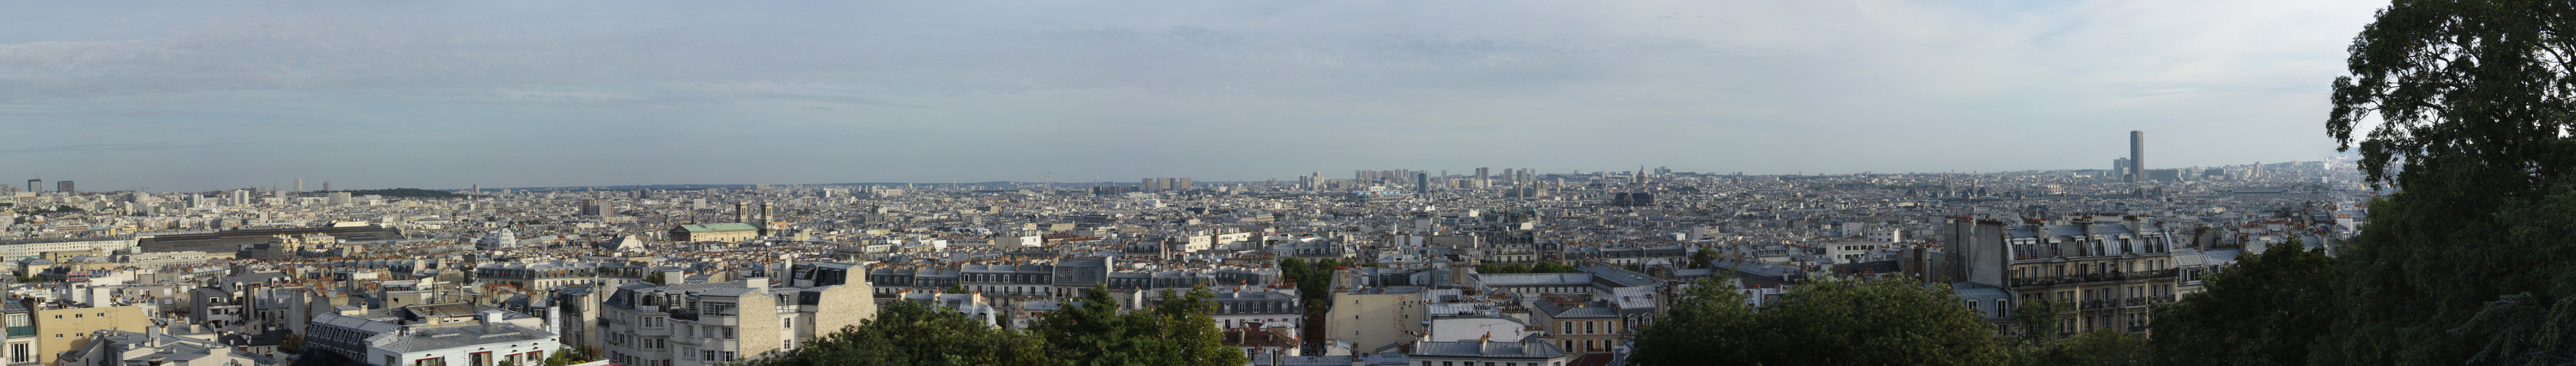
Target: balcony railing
pixel 2093 277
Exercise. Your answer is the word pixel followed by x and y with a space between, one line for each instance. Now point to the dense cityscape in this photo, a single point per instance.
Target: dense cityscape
pixel 1510 266
pixel 1107 183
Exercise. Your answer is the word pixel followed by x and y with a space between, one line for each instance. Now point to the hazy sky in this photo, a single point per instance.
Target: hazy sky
pixel 199 96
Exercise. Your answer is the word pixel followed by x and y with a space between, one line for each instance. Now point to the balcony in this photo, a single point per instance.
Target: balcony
pixel 2137 301
pixel 2093 277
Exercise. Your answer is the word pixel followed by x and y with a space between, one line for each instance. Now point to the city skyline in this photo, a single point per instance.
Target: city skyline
pixel 205 96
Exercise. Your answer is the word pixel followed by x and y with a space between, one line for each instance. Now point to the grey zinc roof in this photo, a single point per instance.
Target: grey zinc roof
pixel 438 338
pixel 1530 350
pixel 356 323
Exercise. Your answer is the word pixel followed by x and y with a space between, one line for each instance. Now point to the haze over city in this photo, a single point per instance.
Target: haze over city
pixel 1287 183
pixel 201 96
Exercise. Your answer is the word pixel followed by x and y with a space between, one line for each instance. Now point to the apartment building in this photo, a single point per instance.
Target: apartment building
pixel 712 323
pixel 2108 270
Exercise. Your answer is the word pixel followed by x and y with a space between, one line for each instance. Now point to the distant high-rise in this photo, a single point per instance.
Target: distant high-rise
pixel 2120 168
pixel 589 207
pixel 2137 156
pixel 64 186
pixel 1422 184
pixel 299 185
pixel 326 186
pixel 31 184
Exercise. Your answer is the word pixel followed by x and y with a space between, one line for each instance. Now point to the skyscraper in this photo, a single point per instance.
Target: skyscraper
pixel 64 186
pixel 2137 156
pixel 299 185
pixel 1422 184
pixel 31 184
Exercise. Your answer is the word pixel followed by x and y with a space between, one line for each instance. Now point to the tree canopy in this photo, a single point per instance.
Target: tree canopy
pixel 912 333
pixel 2472 100
pixel 2267 310
pixel 1821 322
pixel 1180 331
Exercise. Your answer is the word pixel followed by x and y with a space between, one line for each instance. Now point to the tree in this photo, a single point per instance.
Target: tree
pixel 1823 322
pixel 1187 321
pixel 1180 331
pixel 1708 311
pixel 2267 310
pixel 2474 101
pixel 2039 320
pixel 912 333
pixel 2096 348
pixel 292 343
pixel 654 278
pixel 1701 258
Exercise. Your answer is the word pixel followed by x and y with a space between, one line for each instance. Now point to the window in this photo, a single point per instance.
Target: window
pixel 727 332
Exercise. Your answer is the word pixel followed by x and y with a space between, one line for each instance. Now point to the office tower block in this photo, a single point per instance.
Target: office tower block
pixel 326 186
pixel 299 185
pixel 589 207
pixel 478 188
pixel 1422 184
pixel 31 184
pixel 2137 156
pixel 64 186
pixel 1184 185
pixel 2120 168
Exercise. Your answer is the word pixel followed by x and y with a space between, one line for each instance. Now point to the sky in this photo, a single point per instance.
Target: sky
pixel 190 96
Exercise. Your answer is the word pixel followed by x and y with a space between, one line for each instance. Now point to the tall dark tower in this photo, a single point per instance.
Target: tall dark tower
pixel 31 184
pixel 766 214
pixel 2137 156
pixel 1422 185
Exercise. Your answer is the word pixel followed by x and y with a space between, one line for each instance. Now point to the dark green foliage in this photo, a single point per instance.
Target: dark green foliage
pixel 1698 327
pixel 1315 289
pixel 1822 322
pixel 2266 311
pixel 911 333
pixel 2040 320
pixel 1180 331
pixel 1701 258
pixel 2095 348
pixel 2524 330
pixel 291 343
pixel 2475 100
pixel 654 278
